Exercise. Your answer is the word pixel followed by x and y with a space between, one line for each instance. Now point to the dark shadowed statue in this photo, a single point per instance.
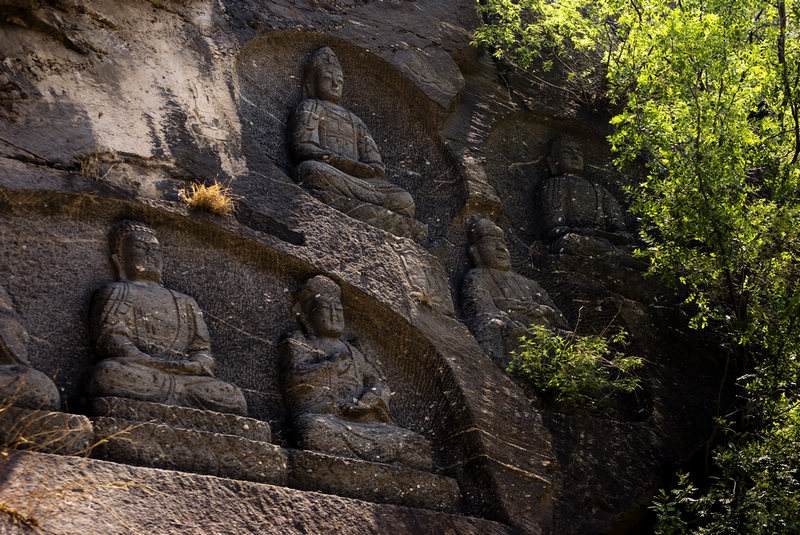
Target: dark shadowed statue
pixel 337 398
pixel 20 384
pixel 154 341
pixel 499 304
pixel 337 158
pixel 575 211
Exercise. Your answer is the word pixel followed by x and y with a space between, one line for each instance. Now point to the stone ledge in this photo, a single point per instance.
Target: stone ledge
pixel 157 445
pixel 182 417
pixel 189 450
pixel 75 496
pixel 374 482
pixel 45 431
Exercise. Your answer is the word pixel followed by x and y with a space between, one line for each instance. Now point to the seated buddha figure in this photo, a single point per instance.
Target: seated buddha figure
pixel 500 305
pixel 337 399
pixel 21 385
pixel 154 342
pixel 337 159
pixel 575 210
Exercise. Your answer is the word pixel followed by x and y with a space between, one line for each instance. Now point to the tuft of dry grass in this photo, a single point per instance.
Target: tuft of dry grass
pixel 216 198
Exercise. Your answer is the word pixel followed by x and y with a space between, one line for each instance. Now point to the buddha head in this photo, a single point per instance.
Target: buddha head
pixel 488 245
pixel 14 337
pixel 566 156
pixel 136 252
pixel 323 76
pixel 319 305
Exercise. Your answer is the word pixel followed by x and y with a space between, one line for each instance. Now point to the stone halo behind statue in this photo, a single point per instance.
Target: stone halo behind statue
pixel 338 160
pixel 153 341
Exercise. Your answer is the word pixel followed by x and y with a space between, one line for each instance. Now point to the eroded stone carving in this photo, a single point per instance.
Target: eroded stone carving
pixel 20 384
pixel 572 205
pixel 338 161
pixel 154 341
pixel 338 400
pixel 499 304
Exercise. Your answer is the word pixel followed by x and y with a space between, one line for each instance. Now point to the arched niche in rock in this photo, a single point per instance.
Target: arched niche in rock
pixel 56 254
pixel 403 121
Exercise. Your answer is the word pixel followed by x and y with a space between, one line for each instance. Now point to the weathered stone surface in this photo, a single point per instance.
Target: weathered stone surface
pixel 154 340
pixel 46 431
pixel 499 304
pixel 337 157
pixel 339 400
pixel 571 203
pixel 21 385
pixel 162 446
pixel 71 496
pixel 182 417
pixel 108 107
pixel 374 482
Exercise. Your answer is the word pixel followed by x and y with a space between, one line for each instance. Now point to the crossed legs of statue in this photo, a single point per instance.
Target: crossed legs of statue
pixel 113 377
pixel 370 441
pixel 324 177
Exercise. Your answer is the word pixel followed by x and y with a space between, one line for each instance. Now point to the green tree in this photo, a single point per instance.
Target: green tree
pixel 706 98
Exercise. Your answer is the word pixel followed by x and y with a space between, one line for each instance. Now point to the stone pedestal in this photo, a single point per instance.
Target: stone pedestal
pixel 162 446
pixel 182 417
pixel 45 431
pixel 374 482
pixel 187 439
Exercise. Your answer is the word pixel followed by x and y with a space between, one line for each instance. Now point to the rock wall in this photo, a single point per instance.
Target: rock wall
pixel 108 108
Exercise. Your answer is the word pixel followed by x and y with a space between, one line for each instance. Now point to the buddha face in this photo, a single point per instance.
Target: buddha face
pixel 567 157
pixel 327 316
pixel 493 253
pixel 329 83
pixel 139 258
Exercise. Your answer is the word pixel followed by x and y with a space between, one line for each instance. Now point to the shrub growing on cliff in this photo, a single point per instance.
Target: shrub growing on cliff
pixel 707 100
pixel 215 199
pixel 575 369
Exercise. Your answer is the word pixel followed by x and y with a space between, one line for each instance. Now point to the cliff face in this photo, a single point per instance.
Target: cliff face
pixel 108 108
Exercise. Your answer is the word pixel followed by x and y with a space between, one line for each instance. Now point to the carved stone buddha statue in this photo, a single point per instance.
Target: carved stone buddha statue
pixel 338 161
pixel 21 385
pixel 571 204
pixel 154 342
pixel 500 305
pixel 337 399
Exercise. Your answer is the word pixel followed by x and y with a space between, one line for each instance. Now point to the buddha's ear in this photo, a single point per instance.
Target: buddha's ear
pixel 297 309
pixel 308 87
pixel 475 255
pixel 552 164
pixel 118 266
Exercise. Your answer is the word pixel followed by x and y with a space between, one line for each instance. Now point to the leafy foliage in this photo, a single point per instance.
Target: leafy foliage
pixel 707 94
pixel 575 369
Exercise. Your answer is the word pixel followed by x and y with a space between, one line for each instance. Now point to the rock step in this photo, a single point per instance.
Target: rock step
pixel 182 417
pixel 189 450
pixel 45 431
pixel 118 499
pixel 373 482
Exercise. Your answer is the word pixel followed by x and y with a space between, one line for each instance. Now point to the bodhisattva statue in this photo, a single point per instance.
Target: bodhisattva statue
pixel 338 400
pixel 499 304
pixel 337 158
pixel 572 204
pixel 154 340
pixel 20 384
